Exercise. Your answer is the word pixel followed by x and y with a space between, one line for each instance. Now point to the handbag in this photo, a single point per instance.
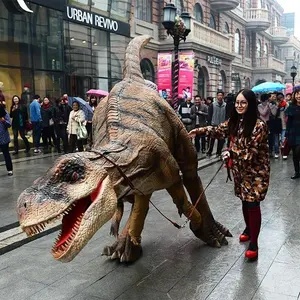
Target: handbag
pixel 51 122
pixel 81 132
pixel 28 126
pixel 285 148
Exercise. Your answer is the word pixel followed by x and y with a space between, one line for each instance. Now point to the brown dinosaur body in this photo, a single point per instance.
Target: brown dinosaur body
pixel 137 130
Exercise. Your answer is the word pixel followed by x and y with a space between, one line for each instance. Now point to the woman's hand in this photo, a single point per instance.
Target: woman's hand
pixel 193 133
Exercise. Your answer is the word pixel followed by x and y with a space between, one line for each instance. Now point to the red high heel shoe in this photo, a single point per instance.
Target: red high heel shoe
pixel 251 254
pixel 244 238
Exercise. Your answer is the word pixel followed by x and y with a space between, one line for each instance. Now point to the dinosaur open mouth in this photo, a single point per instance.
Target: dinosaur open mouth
pixel 71 220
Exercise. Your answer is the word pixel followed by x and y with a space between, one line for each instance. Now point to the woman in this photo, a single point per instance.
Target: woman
pixel 250 161
pixel 47 113
pixel 293 131
pixel 5 139
pixel 76 118
pixel 93 104
pixel 19 116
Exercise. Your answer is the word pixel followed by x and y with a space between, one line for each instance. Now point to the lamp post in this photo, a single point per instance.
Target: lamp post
pixel 178 27
pixel 293 74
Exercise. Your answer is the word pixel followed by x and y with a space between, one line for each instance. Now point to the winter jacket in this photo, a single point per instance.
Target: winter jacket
pixel 199 115
pixel 19 117
pixel 75 118
pixel 217 113
pixel 4 134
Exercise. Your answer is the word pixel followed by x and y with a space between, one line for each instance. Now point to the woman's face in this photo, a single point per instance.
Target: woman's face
pixel 241 104
pixel 75 106
pixel 297 98
pixel 46 101
pixel 93 100
pixel 16 100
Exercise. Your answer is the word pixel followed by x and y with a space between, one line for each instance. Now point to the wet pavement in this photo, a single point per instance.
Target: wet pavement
pixel 175 265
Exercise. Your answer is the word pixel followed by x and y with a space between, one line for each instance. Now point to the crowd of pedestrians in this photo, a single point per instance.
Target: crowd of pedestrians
pixel 280 113
pixel 56 123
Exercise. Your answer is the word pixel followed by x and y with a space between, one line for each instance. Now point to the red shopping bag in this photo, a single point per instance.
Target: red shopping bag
pixel 285 148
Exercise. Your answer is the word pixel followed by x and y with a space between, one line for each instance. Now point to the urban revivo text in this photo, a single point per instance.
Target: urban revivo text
pixel 89 18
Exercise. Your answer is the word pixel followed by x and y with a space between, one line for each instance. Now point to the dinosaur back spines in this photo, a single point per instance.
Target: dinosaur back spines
pixel 132 68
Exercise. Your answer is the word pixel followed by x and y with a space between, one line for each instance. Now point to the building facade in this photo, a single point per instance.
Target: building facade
pixel 58 46
pixel 236 44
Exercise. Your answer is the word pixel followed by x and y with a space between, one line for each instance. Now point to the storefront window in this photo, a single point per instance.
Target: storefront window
pixel 99 5
pixel 48 84
pixel 121 8
pixel 118 46
pixel 47 39
pixel 80 3
pixel 99 53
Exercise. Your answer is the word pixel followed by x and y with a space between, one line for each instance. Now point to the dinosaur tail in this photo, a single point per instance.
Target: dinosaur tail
pixel 132 69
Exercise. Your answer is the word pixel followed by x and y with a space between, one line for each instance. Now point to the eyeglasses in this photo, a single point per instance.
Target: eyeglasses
pixel 241 103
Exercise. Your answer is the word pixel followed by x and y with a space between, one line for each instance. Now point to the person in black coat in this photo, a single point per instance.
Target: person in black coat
pixel 19 115
pixel 61 119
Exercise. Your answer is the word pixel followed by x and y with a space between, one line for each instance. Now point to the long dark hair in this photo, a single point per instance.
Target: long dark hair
pixel 296 91
pixel 249 118
pixel 13 103
pixel 90 101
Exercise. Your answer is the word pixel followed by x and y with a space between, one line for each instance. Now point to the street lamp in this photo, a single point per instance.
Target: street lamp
pixel 293 74
pixel 178 27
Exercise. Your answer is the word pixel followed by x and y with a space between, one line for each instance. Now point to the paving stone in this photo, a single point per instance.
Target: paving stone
pixel 261 294
pixel 138 293
pixel 20 290
pixel 283 279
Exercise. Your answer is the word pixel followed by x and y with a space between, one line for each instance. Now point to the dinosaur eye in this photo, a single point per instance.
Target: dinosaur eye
pixel 75 176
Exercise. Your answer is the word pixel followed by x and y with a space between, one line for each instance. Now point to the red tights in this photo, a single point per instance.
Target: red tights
pixel 252 217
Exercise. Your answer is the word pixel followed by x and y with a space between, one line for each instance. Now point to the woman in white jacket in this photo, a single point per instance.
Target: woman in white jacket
pixel 76 117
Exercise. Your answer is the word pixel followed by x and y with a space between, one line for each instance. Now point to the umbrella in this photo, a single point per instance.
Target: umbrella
pixel 88 111
pixel 98 93
pixel 289 88
pixel 268 87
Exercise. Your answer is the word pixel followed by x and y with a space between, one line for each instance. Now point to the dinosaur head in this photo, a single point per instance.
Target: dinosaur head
pixel 77 190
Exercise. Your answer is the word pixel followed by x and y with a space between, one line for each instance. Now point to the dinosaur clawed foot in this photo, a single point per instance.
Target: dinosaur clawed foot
pixel 124 250
pixel 213 233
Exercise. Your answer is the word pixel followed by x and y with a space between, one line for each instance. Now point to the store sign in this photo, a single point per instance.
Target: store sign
pixel 17 6
pixel 235 76
pixel 214 60
pixel 81 16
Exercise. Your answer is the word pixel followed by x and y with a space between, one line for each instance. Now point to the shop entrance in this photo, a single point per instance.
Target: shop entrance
pixel 77 86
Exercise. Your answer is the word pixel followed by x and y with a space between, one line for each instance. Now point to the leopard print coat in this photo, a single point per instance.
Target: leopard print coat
pixel 250 159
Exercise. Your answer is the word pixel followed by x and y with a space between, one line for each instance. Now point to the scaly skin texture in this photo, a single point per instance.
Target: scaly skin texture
pixel 141 133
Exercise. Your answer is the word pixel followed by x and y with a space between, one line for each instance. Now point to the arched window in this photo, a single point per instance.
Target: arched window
pixel 247 46
pixel 237 42
pixel 212 22
pixel 260 4
pixel 266 50
pixel 222 81
pixel 143 10
pixel 198 12
pixel 178 4
pixel 247 83
pixel 248 4
pixel 258 48
pixel 276 22
pixel 147 69
pixel 226 28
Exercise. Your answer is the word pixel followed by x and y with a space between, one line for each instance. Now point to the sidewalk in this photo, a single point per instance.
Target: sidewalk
pixel 175 265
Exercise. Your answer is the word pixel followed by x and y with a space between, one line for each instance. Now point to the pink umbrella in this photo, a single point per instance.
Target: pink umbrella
pixel 98 93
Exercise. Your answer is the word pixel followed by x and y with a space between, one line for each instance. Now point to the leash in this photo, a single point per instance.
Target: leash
pixel 133 188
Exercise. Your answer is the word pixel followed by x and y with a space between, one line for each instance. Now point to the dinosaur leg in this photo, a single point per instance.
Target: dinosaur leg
pixel 210 231
pixel 179 197
pixel 128 245
pixel 116 219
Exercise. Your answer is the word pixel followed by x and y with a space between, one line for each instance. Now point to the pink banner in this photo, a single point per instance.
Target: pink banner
pixel 186 74
pixel 164 74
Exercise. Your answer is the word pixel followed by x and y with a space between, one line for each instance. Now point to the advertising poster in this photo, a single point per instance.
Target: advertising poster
pixel 164 74
pixel 186 74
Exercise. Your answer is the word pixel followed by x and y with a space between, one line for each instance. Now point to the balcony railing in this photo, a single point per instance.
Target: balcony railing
pixel 257 19
pixel 270 62
pixel 278 31
pixel 256 14
pixel 211 38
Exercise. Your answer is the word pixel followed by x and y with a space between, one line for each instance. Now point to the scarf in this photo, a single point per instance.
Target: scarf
pixel 46 106
pixel 282 104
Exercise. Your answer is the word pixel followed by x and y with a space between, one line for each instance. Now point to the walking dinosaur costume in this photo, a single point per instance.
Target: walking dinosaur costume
pixel 136 130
